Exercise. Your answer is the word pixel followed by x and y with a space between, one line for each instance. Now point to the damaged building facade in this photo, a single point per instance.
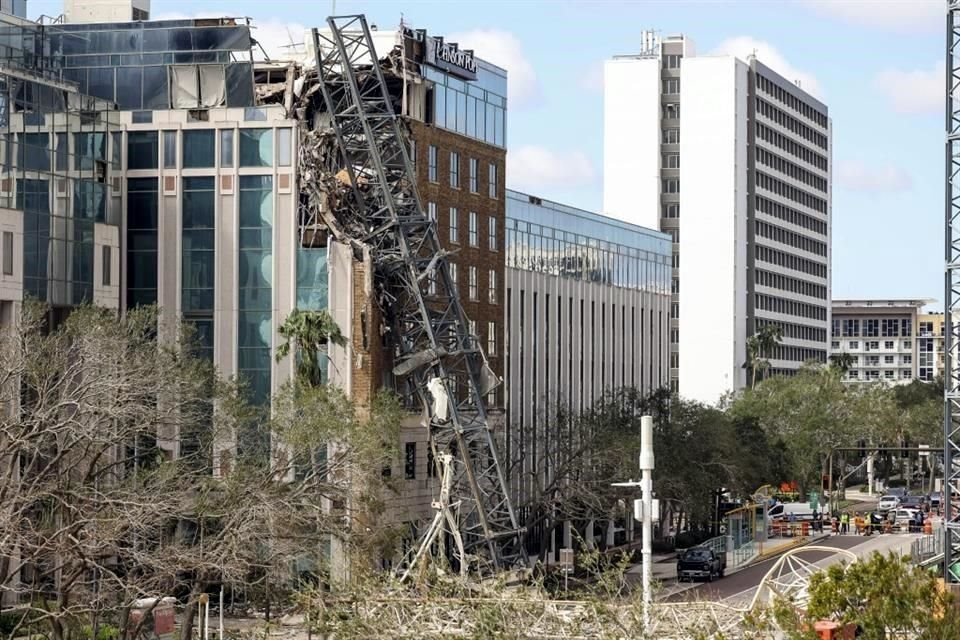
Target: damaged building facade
pixel 193 177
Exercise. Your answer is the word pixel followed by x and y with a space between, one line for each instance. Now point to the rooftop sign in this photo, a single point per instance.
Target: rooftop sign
pixel 444 55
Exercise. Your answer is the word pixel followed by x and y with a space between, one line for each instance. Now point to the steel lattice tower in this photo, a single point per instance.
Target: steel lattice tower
pixel 429 331
pixel 951 364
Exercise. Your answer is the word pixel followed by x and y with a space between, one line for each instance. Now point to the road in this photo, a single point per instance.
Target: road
pixel 749 578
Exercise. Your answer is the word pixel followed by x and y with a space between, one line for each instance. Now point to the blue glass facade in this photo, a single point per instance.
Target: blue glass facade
pixel 477 108
pixel 56 164
pixel 143 218
pixel 198 258
pixel 565 241
pixel 255 331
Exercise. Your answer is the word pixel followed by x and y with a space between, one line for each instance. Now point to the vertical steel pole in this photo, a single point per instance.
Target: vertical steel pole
pixel 646 470
pixel 949 382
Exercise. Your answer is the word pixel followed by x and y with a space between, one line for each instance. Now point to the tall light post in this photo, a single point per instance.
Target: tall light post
pixel 645 514
pixel 646 488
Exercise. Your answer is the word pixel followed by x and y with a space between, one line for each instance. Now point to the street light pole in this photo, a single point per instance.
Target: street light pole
pixel 646 479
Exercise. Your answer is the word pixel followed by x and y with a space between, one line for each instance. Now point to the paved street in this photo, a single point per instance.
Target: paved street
pixel 742 583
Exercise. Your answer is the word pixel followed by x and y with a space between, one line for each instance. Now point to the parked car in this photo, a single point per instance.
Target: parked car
pixel 888 502
pixel 913 502
pixel 935 499
pixel 905 517
pixel 701 562
pixel 897 491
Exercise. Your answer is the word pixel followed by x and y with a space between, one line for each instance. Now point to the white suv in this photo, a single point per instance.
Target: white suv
pixel 887 503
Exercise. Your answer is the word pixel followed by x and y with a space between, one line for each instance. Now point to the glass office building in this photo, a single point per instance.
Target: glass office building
pixel 61 155
pixel 552 238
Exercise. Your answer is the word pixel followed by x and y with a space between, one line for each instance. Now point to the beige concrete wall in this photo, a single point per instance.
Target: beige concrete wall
pixel 11 286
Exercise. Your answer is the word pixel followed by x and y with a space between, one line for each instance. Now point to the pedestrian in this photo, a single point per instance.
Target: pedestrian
pixel 857 523
pixel 834 525
pixel 844 523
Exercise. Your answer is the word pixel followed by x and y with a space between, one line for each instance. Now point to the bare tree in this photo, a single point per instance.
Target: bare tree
pixel 108 493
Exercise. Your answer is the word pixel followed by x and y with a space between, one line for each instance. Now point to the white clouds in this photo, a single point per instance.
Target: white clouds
pixel 503 49
pixel 917 91
pixel 855 175
pixel 895 15
pixel 536 169
pixel 743 46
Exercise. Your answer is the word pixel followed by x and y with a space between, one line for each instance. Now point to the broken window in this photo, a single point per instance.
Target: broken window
pixel 197 86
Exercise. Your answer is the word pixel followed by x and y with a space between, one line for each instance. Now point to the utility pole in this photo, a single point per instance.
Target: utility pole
pixel 646 479
pixel 646 517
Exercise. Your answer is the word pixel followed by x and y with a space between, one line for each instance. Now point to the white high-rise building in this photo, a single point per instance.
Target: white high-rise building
pixel 741 179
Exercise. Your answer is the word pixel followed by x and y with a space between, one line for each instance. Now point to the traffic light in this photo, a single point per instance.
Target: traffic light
pixel 862 448
pixel 904 445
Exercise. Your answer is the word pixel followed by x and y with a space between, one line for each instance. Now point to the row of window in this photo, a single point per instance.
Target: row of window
pixel 790 261
pixel 793 285
pixel 889 374
pixel 788 168
pixel 473 288
pixel 473 230
pixel 798 354
pixel 671 185
pixel 782 95
pixel 473 166
pixel 671 210
pixel 672 61
pixel 200 146
pixel 776 304
pixel 785 213
pixel 796 331
pixel 790 238
pixel 671 110
pixel 671 136
pixel 873 345
pixel 791 146
pixel 671 86
pixel 671 161
pixel 790 192
pixel 874 361
pixel 790 123
pixel 872 327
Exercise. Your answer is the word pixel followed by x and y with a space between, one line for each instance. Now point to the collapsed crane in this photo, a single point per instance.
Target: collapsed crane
pixel 437 361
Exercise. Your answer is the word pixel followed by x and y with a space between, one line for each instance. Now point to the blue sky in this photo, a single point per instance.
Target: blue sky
pixel 876 63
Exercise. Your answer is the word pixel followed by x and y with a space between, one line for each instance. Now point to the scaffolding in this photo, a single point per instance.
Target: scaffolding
pixel 951 387
pixel 373 202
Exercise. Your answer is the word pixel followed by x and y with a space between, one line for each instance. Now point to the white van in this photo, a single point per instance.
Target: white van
pixel 783 510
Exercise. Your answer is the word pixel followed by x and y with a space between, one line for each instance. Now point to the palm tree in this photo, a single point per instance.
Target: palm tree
pixel 309 332
pixel 842 362
pixel 760 347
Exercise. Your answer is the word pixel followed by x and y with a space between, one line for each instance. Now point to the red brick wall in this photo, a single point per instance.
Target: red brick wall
pixel 446 196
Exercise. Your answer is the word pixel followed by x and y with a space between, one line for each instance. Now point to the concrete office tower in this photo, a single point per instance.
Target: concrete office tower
pixel 740 177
